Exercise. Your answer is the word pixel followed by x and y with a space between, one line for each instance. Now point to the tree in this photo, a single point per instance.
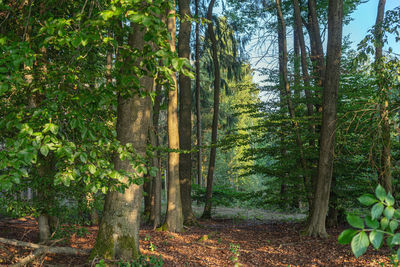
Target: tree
pixel 185 118
pixel 174 217
pixel 217 83
pixel 316 223
pixel 385 176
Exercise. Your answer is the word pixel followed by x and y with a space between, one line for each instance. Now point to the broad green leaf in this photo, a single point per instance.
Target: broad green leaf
pixel 389 199
pixel 396 239
pixel 346 236
pixel 389 211
pixel 359 244
pixel 44 150
pixel 355 221
pixel 398 254
pixel 377 210
pixel 371 223
pixel 384 223
pixel 393 225
pixel 367 199
pixel 376 239
pixel 380 193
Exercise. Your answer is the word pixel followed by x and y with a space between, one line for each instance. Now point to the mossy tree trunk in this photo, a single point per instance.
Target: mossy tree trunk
pixel 118 236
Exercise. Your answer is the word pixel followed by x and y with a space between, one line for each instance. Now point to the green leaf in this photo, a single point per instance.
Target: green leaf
pixel 384 223
pixel 380 193
pixel 359 244
pixel 374 224
pixel 389 199
pixel 355 221
pixel 398 254
pixel 92 168
pixel 393 225
pixel 376 239
pixel 396 239
pixel 346 236
pixel 367 199
pixel 83 157
pixel 389 211
pixel 76 41
pixel 44 150
pixel 376 210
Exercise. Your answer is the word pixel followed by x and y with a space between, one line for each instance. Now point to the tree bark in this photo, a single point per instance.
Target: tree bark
pixel 155 214
pixel 316 224
pixel 198 107
pixel 217 82
pixel 385 174
pixel 118 236
pixel 185 116
pixel 174 218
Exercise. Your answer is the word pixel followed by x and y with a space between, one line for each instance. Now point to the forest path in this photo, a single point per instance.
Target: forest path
pixel 250 214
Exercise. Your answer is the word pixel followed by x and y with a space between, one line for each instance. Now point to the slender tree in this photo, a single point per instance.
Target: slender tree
pixel 316 223
pixel 198 107
pixel 385 175
pixel 217 82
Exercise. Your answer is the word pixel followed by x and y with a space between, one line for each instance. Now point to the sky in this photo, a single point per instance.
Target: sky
pixel 363 19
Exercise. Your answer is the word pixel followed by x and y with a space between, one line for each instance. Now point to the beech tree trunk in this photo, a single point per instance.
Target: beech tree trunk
pixel 217 82
pixel 118 236
pixel 198 107
pixel 174 218
pixel 185 116
pixel 385 174
pixel 316 224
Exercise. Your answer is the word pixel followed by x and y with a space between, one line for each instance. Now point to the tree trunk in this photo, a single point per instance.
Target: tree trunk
pixel 316 224
pixel 118 236
pixel 317 52
pixel 185 116
pixel 174 218
pixel 217 82
pixel 155 214
pixel 285 87
pixel 385 174
pixel 306 80
pixel 198 107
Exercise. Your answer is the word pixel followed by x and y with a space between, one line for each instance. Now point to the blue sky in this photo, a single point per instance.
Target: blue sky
pixel 364 18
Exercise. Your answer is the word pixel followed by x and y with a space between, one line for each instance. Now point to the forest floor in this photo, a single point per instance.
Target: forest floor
pixel 271 240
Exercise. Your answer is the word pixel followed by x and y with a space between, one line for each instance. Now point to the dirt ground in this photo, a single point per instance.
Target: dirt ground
pixel 253 242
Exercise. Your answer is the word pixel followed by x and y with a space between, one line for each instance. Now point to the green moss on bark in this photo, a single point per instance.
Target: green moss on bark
pixel 104 247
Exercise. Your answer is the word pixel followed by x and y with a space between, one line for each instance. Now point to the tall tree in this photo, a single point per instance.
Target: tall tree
pixel 385 175
pixel 174 217
pixel 316 223
pixel 198 107
pixel 118 235
pixel 185 116
pixel 217 83
pixel 285 86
